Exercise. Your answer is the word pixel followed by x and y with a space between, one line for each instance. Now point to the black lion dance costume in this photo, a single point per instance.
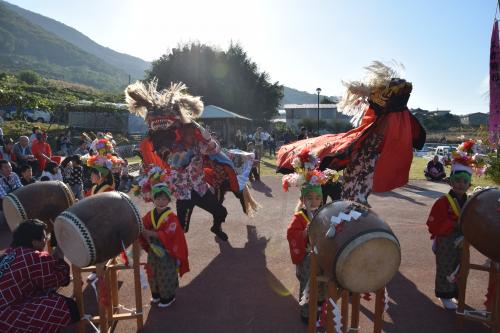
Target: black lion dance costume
pixel 377 154
pixel 200 172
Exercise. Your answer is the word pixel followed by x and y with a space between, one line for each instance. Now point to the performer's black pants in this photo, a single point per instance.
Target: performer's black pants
pixel 208 202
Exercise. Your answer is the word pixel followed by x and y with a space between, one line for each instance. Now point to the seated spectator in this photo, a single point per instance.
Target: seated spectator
pixel 9 181
pixel 26 174
pixel 41 150
pixel 435 170
pixel 29 278
pixel 254 172
pixel 23 154
pixel 51 172
pixel 81 149
pixel 7 152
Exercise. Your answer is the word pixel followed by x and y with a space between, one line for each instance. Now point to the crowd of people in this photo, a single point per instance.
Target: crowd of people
pixel 32 159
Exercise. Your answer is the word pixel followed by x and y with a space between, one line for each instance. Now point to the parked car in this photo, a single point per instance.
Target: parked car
pixel 444 152
pixel 8 113
pixel 424 152
pixel 37 115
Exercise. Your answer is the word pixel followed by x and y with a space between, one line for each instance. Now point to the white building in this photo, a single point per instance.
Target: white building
pixel 297 112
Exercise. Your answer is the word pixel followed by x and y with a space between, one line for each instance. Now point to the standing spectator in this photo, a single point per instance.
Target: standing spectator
pixel 435 170
pixel 1 136
pixel 23 154
pixel 9 181
pixel 85 138
pixel 35 131
pixel 75 179
pixel 26 174
pixel 41 150
pixel 254 172
pixel 303 134
pixel 66 143
pixel 272 144
pixel 82 148
pixel 258 141
pixel 239 140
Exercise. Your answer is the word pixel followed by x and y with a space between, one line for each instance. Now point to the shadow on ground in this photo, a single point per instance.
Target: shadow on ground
pixel 246 298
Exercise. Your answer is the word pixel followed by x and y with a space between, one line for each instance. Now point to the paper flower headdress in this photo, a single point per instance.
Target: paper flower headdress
pixel 468 159
pixel 306 174
pixel 157 180
pixel 103 163
pixel 104 147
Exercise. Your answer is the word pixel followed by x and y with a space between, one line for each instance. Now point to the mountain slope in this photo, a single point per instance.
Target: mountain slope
pixel 129 64
pixel 24 45
pixel 294 96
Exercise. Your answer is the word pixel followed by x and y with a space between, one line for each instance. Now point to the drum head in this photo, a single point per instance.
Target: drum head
pixel 74 239
pixel 13 211
pixel 368 263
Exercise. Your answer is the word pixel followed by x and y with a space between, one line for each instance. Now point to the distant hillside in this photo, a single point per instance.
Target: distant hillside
pixel 129 64
pixel 24 45
pixel 294 96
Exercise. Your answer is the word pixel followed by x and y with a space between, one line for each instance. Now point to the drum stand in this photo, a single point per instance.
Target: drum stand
pixel 109 314
pixel 334 293
pixel 490 317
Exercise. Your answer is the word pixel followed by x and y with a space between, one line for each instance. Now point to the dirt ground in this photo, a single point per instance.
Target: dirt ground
pixel 248 284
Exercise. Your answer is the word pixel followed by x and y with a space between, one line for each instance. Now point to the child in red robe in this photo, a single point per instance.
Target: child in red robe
pixel 163 239
pixel 444 228
pixel 311 199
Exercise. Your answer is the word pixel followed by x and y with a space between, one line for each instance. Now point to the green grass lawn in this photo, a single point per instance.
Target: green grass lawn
pixel 268 168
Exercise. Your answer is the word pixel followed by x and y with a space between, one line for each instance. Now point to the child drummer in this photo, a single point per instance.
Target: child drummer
pixel 163 239
pixel 443 225
pixel 311 199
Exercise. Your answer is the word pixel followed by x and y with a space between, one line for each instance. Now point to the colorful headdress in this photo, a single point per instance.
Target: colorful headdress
pixel 306 174
pixel 102 163
pixel 467 159
pixel 104 147
pixel 383 89
pixel 157 180
pixel 162 109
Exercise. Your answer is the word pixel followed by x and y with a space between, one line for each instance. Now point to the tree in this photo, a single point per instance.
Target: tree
pixel 29 77
pixel 228 79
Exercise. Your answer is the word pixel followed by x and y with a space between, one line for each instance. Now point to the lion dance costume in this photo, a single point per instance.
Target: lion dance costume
pixel 375 156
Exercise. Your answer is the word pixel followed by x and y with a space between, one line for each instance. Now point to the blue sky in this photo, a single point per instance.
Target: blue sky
pixel 443 44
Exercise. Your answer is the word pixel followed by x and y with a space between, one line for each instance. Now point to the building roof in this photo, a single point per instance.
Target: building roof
pixel 215 112
pixel 309 106
pixel 473 114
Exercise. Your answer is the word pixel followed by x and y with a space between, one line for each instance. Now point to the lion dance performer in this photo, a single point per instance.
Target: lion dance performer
pixel 177 142
pixel 375 156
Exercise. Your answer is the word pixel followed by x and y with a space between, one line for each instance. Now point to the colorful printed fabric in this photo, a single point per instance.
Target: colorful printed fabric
pixel 27 300
pixel 188 174
pixel 171 236
pixel 296 236
pixel 162 273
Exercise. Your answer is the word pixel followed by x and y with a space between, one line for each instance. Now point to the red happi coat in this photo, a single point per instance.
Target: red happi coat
pixel 171 235
pixel 297 238
pixel 442 218
pixel 28 302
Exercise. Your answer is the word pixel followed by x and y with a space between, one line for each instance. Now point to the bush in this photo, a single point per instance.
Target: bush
pixel 493 171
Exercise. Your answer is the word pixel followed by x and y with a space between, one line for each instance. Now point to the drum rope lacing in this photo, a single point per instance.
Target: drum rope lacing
pixel 134 209
pixel 84 233
pixel 19 206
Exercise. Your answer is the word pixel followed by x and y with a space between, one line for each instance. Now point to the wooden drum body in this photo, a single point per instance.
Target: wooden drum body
pixel 41 200
pixel 480 222
pixel 354 246
pixel 97 228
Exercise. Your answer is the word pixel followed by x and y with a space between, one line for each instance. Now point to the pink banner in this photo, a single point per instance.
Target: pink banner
pixel 494 121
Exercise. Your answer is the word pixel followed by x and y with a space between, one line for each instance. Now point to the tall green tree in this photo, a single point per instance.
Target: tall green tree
pixel 229 79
